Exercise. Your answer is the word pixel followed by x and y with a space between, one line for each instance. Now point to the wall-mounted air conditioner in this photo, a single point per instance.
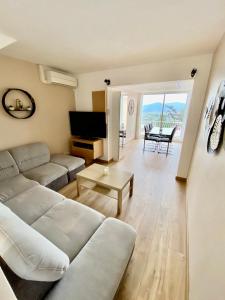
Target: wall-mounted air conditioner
pixel 50 75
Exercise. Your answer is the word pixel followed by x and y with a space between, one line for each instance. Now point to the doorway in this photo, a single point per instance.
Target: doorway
pixel 165 104
pixel 128 117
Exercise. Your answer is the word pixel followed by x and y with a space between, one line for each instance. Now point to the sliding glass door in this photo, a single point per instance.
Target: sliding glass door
pixel 152 108
pixel 165 111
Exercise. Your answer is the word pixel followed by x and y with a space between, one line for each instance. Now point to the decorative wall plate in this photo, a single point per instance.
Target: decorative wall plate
pixel 215 134
pixel 216 120
pixel 209 113
pixel 131 107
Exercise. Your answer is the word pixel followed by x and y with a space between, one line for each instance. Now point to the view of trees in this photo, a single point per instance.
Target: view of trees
pixel 173 112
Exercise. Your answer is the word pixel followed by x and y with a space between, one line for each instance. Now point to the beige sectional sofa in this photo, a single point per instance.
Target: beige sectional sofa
pixel 52 247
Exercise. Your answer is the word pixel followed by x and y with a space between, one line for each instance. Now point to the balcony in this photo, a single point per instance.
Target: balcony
pixel 179 124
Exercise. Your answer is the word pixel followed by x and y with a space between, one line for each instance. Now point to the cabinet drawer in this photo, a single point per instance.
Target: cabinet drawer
pixel 86 153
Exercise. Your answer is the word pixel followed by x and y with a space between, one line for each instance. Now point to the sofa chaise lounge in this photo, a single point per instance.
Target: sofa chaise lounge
pixel 55 248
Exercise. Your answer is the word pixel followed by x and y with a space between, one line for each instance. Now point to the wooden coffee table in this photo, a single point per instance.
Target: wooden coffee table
pixel 116 180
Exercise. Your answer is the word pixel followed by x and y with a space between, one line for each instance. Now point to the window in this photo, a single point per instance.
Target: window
pixel 165 110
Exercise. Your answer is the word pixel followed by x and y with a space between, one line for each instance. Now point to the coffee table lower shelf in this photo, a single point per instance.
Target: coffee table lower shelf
pixel 109 192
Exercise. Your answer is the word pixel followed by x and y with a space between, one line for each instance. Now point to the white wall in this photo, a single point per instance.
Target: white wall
pixel 206 207
pixel 114 121
pixel 123 111
pixel 139 117
pixel 178 69
pixel 131 119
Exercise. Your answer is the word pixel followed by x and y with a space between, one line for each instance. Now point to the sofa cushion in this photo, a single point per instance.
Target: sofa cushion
pixel 8 167
pixel 46 173
pixel 34 203
pixel 69 225
pixel 13 186
pixel 29 254
pixel 30 156
pixel 98 269
pixel 58 183
pixel 68 161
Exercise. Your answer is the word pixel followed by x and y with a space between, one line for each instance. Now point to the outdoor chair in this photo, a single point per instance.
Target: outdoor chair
pixel 168 140
pixel 148 127
pixel 150 137
pixel 122 135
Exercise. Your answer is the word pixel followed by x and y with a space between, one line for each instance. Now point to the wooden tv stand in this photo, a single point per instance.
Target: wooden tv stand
pixel 88 149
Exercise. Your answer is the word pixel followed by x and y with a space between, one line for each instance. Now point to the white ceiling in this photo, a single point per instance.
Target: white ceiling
pixel 85 35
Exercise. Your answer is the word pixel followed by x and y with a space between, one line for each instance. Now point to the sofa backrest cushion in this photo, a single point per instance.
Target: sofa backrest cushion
pixel 8 167
pixel 30 156
pixel 27 253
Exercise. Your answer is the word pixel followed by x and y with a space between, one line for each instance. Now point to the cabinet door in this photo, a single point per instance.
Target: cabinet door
pixel 98 101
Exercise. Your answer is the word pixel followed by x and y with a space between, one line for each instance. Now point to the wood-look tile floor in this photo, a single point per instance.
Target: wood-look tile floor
pixel 157 210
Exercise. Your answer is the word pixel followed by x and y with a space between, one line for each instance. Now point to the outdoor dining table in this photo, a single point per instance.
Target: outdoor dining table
pixel 165 131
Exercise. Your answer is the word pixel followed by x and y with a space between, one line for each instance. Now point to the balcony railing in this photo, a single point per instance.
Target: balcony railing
pixel 166 125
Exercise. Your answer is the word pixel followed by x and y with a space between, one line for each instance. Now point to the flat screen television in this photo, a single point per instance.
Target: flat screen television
pixel 88 124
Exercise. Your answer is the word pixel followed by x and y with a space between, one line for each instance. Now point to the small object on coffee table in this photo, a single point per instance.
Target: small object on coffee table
pixel 115 180
pixel 106 171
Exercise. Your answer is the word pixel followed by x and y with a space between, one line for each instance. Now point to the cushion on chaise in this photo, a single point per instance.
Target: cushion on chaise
pixel 29 254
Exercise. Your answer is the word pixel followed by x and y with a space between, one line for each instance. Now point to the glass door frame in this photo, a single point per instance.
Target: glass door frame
pixel 164 98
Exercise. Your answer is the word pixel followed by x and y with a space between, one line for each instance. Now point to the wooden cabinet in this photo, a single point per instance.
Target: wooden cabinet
pixel 88 149
pixel 93 148
pixel 99 101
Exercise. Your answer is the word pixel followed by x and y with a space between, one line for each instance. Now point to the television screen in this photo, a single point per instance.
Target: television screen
pixel 88 124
